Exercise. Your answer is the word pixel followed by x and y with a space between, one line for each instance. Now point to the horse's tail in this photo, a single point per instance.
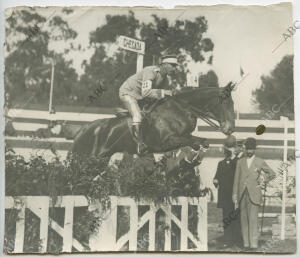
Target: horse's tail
pixel 85 137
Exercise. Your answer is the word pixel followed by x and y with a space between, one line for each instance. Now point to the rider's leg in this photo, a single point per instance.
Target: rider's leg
pixel 135 111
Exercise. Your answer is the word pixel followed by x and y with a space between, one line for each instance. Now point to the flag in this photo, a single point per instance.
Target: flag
pixel 241 72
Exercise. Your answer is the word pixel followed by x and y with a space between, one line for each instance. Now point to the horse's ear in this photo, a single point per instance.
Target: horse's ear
pixel 226 91
pixel 230 86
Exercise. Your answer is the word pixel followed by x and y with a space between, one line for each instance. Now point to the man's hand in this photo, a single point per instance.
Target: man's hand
pixel 175 91
pixel 216 183
pixel 235 201
pixel 236 205
pixel 262 186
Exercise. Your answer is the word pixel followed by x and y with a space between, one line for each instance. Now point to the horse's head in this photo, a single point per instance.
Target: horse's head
pixel 226 114
pixel 212 103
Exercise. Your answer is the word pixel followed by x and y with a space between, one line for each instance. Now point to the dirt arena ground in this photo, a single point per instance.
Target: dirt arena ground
pixel 266 243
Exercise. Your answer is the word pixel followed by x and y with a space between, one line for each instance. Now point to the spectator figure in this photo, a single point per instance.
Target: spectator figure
pixel 223 180
pixel 252 174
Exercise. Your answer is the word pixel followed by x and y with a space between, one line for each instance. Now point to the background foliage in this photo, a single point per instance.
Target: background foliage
pixel 28 56
pixel 277 89
pixel 29 52
pixel 29 35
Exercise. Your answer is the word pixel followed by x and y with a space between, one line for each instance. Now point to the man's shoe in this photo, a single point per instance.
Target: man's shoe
pixel 253 248
pixel 246 249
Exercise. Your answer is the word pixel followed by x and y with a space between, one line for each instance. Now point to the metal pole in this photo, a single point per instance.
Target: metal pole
pixel 51 85
pixel 139 62
pixel 285 122
pixel 263 209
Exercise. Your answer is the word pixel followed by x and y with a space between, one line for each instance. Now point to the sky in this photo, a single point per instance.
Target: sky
pixel 244 37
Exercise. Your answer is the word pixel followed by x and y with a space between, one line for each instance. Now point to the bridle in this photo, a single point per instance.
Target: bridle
pixel 205 117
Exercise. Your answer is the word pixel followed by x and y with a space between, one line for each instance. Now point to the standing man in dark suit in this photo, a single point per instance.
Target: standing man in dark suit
pixel 223 180
pixel 252 173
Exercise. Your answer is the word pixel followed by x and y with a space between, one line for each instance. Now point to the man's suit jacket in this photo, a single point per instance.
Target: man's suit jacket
pixel 250 178
pixel 225 176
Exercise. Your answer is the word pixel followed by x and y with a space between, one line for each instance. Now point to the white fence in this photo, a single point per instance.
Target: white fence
pixel 31 120
pixel 106 238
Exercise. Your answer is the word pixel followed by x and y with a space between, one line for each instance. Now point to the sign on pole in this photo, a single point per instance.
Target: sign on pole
pixel 133 45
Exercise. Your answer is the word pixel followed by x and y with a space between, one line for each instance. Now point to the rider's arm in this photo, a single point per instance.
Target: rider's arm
pixel 148 91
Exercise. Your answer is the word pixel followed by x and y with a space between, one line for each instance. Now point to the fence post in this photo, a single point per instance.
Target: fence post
pixel 151 237
pixel 105 238
pixel 168 224
pixel 68 224
pixel 39 205
pixel 44 223
pixel 184 224
pixel 285 150
pixel 133 226
pixel 202 222
pixel 20 230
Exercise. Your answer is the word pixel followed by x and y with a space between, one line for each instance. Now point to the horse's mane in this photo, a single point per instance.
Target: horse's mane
pixel 199 89
pixel 185 91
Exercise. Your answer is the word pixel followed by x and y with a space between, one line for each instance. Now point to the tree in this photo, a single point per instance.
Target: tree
pixel 28 56
pixel 210 79
pixel 184 38
pixel 276 93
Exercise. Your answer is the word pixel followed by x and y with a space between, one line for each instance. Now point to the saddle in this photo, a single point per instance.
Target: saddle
pixel 121 112
pixel 145 109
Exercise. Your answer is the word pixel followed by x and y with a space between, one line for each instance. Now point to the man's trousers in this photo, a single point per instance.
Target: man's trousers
pixel 249 221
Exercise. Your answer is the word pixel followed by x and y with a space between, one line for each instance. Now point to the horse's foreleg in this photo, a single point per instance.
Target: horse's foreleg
pixel 172 143
pixel 175 142
pixel 196 141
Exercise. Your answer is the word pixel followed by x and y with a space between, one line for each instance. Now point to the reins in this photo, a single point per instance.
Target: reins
pixel 205 117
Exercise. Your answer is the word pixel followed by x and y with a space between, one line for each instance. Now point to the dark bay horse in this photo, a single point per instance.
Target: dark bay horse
pixel 166 126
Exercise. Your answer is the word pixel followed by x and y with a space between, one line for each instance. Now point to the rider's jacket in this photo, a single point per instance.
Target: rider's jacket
pixel 133 85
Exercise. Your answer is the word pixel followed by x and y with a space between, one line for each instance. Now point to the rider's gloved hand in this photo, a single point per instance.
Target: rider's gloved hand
pixel 167 92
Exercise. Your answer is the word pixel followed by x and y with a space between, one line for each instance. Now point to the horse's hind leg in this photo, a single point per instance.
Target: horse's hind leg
pixel 96 143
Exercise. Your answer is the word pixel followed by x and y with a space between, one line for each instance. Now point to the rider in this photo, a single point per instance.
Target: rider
pixel 149 82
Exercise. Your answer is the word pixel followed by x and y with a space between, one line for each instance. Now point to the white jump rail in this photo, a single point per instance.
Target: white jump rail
pixel 105 239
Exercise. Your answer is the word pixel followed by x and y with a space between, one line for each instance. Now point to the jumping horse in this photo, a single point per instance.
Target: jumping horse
pixel 167 124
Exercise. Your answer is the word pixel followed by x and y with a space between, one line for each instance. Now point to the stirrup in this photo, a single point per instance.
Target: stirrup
pixel 141 148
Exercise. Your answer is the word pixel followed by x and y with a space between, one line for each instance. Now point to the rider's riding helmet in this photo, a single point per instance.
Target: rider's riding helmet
pixel 171 59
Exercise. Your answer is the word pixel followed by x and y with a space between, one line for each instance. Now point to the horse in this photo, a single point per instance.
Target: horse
pixel 167 125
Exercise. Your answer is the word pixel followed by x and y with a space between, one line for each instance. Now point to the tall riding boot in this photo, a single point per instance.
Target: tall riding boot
pixel 141 147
